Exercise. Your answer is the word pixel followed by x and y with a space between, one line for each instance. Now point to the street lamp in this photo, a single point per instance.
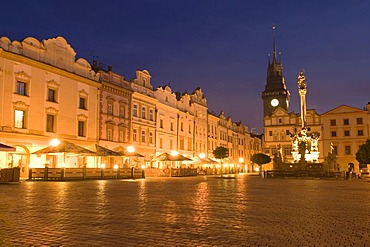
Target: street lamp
pixel 202 155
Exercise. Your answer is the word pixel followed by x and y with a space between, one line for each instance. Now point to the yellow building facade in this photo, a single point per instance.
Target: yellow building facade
pixel 45 93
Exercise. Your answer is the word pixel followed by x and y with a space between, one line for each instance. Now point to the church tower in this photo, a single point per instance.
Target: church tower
pixel 275 94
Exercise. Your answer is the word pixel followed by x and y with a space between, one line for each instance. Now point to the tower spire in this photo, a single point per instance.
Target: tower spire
pixel 274 58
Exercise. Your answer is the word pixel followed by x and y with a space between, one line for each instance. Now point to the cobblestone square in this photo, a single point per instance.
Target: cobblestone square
pixel 198 211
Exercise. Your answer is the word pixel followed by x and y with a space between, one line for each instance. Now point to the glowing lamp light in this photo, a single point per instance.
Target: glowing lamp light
pixel 202 155
pixel 115 167
pixel 174 153
pixel 54 142
pixel 63 165
pixel 257 169
pixel 102 166
pixel 143 167
pixel 241 160
pixel 130 149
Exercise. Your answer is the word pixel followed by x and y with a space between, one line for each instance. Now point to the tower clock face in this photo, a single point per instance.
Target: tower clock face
pixel 274 102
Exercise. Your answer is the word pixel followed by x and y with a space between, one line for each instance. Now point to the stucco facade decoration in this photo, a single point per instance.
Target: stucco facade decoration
pixel 45 93
pixel 167 123
pixel 114 98
pixel 143 116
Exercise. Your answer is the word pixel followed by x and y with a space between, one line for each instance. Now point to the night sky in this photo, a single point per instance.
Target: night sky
pixel 220 46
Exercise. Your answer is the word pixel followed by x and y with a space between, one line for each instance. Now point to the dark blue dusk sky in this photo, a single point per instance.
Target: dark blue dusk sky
pixel 220 46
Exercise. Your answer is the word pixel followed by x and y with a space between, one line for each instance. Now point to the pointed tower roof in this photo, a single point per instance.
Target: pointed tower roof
pixel 274 56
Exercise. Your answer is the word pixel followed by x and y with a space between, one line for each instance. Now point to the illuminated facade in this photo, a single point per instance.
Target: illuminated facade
pixel 45 93
pixel 342 129
pixel 114 100
pixel 167 122
pixel 186 124
pixel 143 117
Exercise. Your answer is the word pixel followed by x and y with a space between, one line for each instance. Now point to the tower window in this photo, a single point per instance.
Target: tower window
pixel 333 122
pixel 346 121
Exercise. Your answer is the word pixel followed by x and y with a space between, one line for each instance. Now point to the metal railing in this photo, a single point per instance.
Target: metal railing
pixel 84 173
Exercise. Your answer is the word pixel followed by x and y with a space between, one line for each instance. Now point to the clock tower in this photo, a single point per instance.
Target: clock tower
pixel 275 94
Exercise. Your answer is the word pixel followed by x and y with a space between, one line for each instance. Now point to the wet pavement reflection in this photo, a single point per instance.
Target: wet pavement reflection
pixel 243 210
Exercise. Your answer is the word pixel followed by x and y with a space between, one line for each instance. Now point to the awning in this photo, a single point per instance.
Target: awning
pixel 7 148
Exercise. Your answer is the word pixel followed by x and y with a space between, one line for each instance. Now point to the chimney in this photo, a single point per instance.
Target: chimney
pixel 109 67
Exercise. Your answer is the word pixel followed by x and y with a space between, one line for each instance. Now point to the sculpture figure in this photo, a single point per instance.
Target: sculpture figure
pixel 301 81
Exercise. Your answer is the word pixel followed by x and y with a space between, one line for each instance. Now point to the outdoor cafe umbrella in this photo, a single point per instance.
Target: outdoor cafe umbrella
pixel 102 151
pixel 170 157
pixel 6 148
pixel 123 152
pixel 64 147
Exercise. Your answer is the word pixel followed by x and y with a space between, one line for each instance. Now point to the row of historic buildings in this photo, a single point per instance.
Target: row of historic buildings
pixel 342 130
pixel 46 93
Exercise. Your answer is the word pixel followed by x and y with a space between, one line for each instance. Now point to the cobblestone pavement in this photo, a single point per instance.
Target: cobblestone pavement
pixel 197 211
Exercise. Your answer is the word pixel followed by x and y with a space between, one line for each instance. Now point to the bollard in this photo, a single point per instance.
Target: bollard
pixel 132 172
pixel 30 174
pixel 142 173
pixel 63 173
pixel 46 173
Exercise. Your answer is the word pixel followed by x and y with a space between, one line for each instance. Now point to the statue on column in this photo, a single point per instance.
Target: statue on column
pixel 301 81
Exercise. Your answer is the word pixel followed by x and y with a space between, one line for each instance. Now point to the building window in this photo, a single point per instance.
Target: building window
pixel 333 122
pixel 287 150
pixel 161 123
pixel 121 111
pixel 346 121
pixel 19 119
pixel 52 95
pixel 182 143
pixel 333 134
pixel 81 128
pixel 134 135
pixel 287 132
pixel 135 111
pixel 160 142
pixel 190 144
pixel 120 136
pixel 171 144
pixel 143 136
pixel 171 126
pixel 189 129
pixel 335 150
pixel 360 132
pixel 359 120
pixel 50 123
pixel 22 88
pixel 347 149
pixel 151 115
pixel 270 133
pixel 110 108
pixel 182 126
pixel 280 120
pixel 151 137
pixel 109 134
pixel 82 103
pixel 346 133
pixel 143 112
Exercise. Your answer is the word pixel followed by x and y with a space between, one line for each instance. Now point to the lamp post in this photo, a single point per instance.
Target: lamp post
pixel 130 151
